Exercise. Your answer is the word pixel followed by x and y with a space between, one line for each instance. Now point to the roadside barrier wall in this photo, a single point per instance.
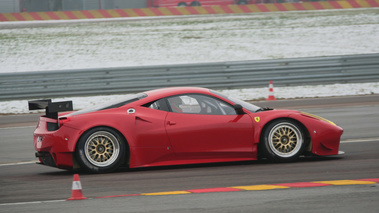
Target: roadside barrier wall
pixel 177 11
pixel 218 75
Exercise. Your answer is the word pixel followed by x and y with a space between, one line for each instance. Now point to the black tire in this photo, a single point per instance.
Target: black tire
pixel 195 3
pixel 242 2
pixel 100 150
pixel 283 140
pixel 182 4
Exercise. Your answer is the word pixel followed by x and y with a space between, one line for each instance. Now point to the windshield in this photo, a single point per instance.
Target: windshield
pixel 113 104
pixel 248 106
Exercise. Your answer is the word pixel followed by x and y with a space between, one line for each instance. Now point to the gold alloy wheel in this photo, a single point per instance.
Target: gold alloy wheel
pixel 285 139
pixel 102 148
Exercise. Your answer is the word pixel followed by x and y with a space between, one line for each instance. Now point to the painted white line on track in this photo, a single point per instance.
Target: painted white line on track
pixel 32 202
pixel 361 140
pixel 17 127
pixel 18 163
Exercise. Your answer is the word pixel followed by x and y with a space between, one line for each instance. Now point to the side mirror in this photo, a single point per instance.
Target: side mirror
pixel 239 109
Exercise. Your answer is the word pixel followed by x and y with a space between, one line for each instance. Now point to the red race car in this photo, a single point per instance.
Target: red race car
pixel 175 126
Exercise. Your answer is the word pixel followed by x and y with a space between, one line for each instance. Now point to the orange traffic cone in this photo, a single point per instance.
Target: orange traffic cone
pixel 77 189
pixel 271 96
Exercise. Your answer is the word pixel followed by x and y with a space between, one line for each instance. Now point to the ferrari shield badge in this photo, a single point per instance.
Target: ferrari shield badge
pixel 257 119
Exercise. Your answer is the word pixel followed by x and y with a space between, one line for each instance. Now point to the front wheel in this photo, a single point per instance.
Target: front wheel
pixel 283 141
pixel 100 150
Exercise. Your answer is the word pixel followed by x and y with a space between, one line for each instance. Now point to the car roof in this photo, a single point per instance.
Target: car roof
pixel 164 92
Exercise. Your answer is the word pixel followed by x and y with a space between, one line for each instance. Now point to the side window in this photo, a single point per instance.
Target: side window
pixel 184 104
pixel 199 104
pixel 228 109
pixel 155 105
pixel 158 105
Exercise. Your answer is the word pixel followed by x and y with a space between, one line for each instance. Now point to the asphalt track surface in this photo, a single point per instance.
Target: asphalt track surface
pixel 26 186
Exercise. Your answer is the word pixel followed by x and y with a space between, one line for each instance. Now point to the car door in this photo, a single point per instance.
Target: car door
pixel 151 144
pixel 200 126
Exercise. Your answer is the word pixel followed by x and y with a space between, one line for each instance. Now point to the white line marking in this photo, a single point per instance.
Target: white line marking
pixel 32 202
pixel 18 163
pixel 361 140
pixel 17 127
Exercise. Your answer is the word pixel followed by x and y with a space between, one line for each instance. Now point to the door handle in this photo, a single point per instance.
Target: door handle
pixel 171 123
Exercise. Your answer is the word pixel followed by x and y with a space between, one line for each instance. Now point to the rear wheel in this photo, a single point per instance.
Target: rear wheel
pixel 283 141
pixel 100 150
pixel 242 2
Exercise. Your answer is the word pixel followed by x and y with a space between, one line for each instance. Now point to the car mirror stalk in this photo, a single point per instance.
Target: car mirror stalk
pixel 239 109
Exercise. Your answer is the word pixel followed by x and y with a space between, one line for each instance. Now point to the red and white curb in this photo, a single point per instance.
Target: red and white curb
pixel 369 181
pixel 259 187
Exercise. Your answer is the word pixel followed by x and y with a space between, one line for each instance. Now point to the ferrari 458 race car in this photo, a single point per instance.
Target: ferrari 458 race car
pixel 175 126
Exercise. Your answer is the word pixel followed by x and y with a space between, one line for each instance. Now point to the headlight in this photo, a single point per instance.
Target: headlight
pixel 318 117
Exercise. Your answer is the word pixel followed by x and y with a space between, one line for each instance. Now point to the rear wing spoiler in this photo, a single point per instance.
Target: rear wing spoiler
pixel 51 108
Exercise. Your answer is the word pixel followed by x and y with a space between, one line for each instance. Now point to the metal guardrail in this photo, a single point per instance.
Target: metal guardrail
pixel 221 75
